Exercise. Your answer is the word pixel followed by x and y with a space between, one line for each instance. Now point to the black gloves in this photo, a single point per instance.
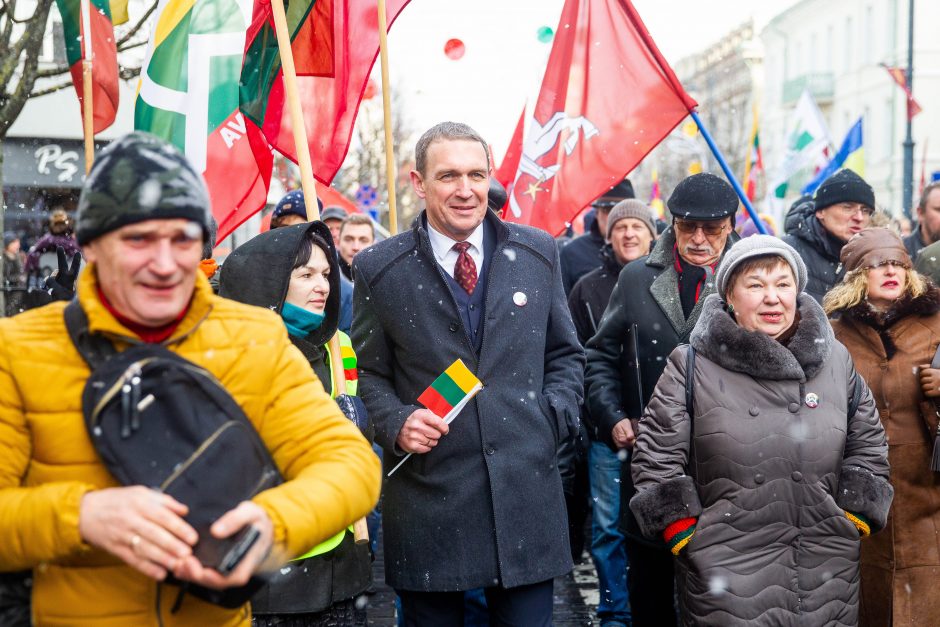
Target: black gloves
pixel 61 283
pixel 355 410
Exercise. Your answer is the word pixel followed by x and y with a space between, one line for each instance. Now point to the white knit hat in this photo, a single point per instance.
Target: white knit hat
pixel 759 246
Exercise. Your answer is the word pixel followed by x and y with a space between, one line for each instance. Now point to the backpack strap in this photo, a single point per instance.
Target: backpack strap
pixel 690 382
pixel 94 349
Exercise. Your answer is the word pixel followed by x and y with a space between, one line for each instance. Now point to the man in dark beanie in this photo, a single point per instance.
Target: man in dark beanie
pixel 653 308
pixel 583 253
pixel 143 217
pixel 843 206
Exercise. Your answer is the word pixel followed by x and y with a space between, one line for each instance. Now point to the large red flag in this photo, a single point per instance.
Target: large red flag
pixel 335 43
pixel 608 97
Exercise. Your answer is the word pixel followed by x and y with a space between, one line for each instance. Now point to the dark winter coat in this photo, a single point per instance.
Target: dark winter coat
pixel 485 506
pixel 768 475
pixel 258 273
pixel 647 294
pixel 901 565
pixel 914 242
pixel 818 248
pixel 581 255
pixel 587 303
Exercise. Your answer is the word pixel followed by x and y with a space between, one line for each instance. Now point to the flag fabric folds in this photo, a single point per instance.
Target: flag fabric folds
pixel 807 140
pixel 899 75
pixel 335 44
pixel 656 197
pixel 850 155
pixel 450 390
pixel 754 162
pixel 189 95
pixel 104 74
pixel 607 98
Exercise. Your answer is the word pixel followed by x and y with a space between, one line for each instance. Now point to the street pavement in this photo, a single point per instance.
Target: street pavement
pixel 575 596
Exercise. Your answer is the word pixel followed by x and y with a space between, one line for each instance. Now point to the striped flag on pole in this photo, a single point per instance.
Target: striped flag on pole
pixel 104 54
pixel 189 95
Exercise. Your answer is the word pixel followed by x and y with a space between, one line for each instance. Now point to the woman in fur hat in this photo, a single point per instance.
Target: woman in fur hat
pixel 761 460
pixel 888 316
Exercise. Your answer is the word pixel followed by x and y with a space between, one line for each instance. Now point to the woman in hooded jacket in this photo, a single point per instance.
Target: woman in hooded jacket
pixel 888 316
pixel 760 460
pixel 294 272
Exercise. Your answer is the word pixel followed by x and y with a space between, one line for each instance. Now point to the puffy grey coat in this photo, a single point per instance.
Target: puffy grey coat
pixel 485 506
pixel 768 476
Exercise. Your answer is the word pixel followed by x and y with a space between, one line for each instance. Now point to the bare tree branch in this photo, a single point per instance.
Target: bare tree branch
pixel 52 72
pixel 131 46
pixel 30 43
pixel 50 90
pixel 10 10
pixel 136 27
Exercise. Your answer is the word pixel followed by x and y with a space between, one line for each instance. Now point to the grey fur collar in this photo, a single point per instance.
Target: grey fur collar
pixel 719 338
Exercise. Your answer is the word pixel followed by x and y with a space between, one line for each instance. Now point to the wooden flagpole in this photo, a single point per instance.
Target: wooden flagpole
pixel 390 173
pixel 88 107
pixel 309 186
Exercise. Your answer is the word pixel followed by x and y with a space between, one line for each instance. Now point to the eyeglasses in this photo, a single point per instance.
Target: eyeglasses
pixel 849 210
pixel 708 228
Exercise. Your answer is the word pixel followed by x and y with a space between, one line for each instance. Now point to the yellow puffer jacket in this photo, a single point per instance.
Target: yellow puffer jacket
pixel 47 461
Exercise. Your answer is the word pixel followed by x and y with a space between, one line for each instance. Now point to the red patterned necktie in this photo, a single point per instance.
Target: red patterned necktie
pixel 465 270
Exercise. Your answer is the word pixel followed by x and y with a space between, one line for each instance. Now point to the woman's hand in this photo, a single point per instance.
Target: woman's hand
pixel 930 381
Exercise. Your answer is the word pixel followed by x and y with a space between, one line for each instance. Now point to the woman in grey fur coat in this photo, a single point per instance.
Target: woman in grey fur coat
pixel 764 478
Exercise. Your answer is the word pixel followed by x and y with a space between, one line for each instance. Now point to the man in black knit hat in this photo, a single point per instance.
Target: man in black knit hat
pixel 843 206
pixel 653 308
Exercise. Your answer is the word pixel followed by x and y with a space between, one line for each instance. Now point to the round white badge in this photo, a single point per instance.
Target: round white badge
pixel 520 299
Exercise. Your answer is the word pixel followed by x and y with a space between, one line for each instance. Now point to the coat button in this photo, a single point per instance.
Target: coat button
pixel 490 450
pixel 759 478
pixel 453 327
pixel 793 407
pixel 797 475
pixel 753 411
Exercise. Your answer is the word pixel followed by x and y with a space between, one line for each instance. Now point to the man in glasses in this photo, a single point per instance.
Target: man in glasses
pixel 653 308
pixel 583 253
pixel 843 206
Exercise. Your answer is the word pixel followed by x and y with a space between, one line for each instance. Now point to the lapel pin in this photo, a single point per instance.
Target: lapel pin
pixel 520 299
pixel 812 400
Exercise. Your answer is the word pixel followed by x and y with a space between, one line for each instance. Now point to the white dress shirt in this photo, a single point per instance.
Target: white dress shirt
pixel 445 254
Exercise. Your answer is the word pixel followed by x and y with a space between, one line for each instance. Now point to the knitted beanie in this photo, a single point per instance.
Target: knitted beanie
pixel 136 178
pixel 759 246
pixel 844 186
pixel 873 246
pixel 631 208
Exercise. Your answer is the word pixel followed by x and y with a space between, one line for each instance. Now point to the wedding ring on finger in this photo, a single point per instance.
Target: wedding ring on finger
pixel 135 542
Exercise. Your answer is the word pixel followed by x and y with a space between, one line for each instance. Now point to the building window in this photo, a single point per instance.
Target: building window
pixel 868 46
pixel 849 45
pixel 888 139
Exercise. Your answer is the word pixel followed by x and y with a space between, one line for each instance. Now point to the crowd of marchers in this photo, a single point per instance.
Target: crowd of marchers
pixel 750 424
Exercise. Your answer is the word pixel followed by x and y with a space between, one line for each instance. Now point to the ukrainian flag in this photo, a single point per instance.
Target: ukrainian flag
pixel 851 155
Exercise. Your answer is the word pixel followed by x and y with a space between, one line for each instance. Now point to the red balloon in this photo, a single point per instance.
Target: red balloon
pixel 454 49
pixel 371 90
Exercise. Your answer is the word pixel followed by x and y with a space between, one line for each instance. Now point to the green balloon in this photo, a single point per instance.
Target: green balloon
pixel 545 34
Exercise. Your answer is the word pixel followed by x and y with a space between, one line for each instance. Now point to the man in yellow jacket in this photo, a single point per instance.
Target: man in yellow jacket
pixel 99 551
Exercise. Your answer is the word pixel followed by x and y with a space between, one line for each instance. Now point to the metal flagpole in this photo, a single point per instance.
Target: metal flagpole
pixel 728 174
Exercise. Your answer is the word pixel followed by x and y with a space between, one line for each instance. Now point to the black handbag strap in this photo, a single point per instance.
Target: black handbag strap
pixel 94 349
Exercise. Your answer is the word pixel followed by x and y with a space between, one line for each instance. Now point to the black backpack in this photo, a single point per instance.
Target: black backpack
pixel 159 420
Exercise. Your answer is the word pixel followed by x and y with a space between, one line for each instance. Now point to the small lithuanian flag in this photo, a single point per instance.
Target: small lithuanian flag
pixel 451 391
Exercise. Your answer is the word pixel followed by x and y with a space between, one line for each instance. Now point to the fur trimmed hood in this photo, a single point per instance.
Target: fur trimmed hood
pixel 720 339
pixel 926 304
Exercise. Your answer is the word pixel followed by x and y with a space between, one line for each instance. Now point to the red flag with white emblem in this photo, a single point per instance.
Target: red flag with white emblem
pixel 607 99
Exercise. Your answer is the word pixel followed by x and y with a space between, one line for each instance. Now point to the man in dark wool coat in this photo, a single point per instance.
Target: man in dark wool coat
pixel 480 505
pixel 653 309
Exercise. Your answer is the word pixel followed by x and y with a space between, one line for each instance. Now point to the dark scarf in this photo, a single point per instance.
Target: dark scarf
pixel 881 321
pixel 691 280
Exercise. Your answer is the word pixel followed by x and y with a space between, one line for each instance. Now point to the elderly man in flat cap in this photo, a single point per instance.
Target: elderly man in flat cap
pixel 653 308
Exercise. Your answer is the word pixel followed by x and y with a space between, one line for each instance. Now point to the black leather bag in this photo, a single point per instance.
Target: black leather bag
pixel 159 420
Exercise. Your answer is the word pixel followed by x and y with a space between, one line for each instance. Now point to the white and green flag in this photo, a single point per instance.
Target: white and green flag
pixel 808 139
